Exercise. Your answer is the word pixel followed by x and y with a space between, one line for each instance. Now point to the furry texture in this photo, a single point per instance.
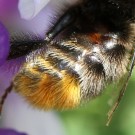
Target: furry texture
pixel 96 51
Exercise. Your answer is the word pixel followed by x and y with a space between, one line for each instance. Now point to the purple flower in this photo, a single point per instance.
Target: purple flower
pixel 4 44
pixel 8 8
pixel 7 11
pixel 10 132
pixel 17 114
pixel 30 8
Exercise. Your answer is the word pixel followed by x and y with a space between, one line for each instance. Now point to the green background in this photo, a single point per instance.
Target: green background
pixel 91 119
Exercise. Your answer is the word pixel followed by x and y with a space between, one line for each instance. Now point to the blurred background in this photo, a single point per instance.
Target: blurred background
pixel 89 119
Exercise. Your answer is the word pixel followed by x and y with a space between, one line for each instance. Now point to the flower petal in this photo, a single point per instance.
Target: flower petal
pixel 4 44
pixel 10 132
pixel 8 8
pixel 30 8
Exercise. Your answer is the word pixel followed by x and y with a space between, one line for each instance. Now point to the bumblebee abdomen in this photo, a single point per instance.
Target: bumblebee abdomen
pixel 71 71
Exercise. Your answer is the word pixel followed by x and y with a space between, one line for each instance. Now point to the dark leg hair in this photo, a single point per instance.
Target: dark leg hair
pixel 20 47
pixel 66 20
pixel 4 96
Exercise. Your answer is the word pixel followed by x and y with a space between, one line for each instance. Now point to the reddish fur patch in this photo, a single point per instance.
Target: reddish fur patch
pixel 95 38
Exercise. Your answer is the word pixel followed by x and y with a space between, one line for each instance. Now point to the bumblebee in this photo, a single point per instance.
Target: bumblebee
pixel 95 49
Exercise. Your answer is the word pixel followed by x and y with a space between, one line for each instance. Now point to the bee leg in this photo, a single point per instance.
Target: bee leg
pixel 4 96
pixel 66 20
pixel 122 91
